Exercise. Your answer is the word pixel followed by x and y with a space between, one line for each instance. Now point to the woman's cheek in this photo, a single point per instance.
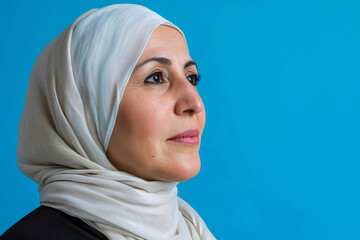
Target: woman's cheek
pixel 155 114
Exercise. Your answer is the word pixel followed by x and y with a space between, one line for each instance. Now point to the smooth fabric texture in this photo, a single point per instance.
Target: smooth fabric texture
pixel 46 223
pixel 71 105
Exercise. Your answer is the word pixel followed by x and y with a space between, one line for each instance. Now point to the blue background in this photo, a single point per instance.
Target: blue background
pixel 280 82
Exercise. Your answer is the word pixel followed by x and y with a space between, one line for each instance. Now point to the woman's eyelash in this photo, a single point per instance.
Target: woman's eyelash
pixel 160 77
pixel 156 77
pixel 194 79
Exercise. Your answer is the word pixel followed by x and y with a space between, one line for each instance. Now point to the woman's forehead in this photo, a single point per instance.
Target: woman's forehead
pixel 165 41
pixel 167 30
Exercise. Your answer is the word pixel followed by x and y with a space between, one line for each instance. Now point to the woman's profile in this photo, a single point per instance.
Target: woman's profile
pixel 112 122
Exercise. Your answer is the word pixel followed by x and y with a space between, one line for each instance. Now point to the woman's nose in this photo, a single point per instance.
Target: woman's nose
pixel 188 100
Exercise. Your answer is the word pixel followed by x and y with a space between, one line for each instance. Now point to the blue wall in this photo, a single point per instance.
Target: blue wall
pixel 281 86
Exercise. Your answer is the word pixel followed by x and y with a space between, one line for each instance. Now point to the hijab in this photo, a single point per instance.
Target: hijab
pixel 71 105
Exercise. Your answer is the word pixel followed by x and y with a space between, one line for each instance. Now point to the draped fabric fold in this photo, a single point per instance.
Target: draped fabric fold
pixel 71 105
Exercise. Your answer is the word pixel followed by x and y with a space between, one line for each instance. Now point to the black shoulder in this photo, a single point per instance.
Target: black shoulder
pixel 51 224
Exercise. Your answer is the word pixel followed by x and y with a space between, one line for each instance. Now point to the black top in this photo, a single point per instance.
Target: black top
pixel 46 223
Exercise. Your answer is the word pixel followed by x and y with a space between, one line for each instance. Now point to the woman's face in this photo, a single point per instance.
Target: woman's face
pixel 160 102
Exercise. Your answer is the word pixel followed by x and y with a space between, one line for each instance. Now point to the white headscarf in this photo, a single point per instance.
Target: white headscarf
pixel 71 106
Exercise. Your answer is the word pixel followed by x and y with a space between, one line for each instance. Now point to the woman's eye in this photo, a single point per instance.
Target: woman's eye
pixel 155 78
pixel 194 79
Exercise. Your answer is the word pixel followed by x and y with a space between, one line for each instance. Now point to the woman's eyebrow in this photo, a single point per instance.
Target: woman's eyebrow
pixel 163 60
pixel 190 63
pixel 156 59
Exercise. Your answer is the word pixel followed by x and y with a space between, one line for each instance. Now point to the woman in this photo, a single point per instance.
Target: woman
pixel 112 122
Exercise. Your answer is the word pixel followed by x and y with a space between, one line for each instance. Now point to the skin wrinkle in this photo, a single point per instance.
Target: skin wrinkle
pixel 149 114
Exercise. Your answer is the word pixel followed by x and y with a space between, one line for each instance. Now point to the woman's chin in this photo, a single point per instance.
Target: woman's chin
pixel 182 171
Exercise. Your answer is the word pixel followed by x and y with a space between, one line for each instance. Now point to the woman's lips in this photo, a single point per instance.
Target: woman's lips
pixel 190 137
